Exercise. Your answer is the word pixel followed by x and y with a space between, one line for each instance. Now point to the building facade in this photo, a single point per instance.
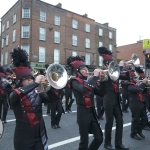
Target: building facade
pixel 125 52
pixel 50 34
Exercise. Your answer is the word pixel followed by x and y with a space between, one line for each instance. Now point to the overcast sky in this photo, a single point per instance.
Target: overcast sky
pixel 131 18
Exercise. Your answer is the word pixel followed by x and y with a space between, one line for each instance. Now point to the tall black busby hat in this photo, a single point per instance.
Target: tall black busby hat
pixel 21 64
pixel 140 73
pixel 76 63
pixel 106 54
pixel 9 71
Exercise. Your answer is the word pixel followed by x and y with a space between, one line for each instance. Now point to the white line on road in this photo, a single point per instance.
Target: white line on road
pixel 76 139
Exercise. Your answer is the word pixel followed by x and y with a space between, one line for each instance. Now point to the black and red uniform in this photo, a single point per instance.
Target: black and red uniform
pixel 87 118
pixel 138 107
pixel 56 106
pixel 68 96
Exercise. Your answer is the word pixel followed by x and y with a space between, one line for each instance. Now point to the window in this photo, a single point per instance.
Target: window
pixel 56 56
pixel 87 59
pixel 14 18
pixel 6 58
pixel 42 34
pixel 14 36
pixel 7 24
pixel 26 48
pixel 87 43
pixel 100 61
pixel 100 32
pixel 2 43
pixel 25 31
pixel 41 54
pixel 74 53
pixel 56 37
pixel 2 59
pixel 75 24
pixel 57 20
pixel 110 47
pixel 110 35
pixel 42 16
pixel 26 13
pixel 7 37
pixel 100 44
pixel 3 27
pixel 74 40
pixel 87 27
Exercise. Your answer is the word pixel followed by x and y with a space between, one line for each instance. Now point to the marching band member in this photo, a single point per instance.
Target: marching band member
pixel 146 94
pixel 111 104
pixel 56 106
pixel 84 91
pixel 4 90
pixel 137 107
pixel 68 96
pixel 30 132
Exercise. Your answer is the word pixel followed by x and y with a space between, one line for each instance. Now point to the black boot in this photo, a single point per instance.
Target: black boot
pixel 141 135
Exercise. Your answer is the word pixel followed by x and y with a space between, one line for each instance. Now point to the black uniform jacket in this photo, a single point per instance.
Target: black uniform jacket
pixel 112 96
pixel 134 90
pixel 84 113
pixel 28 130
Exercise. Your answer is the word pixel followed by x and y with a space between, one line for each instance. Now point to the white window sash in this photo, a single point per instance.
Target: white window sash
pixel 41 54
pixel 7 24
pixel 87 43
pixel 26 13
pixel 87 27
pixel 56 37
pixel 43 16
pixel 57 20
pixel 14 35
pixel 74 53
pixel 7 37
pixel 2 59
pixel 74 24
pixel 74 40
pixel 56 56
pixel 100 44
pixel 42 35
pixel 100 32
pixel 25 31
pixel 87 59
pixel 6 58
pixel 14 18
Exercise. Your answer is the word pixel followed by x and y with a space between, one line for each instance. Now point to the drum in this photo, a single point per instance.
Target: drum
pixel 1 128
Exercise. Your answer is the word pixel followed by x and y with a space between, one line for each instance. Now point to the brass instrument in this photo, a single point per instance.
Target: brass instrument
pixel 57 77
pixel 113 70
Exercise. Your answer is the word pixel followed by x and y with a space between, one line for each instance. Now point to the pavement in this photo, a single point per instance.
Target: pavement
pixel 67 137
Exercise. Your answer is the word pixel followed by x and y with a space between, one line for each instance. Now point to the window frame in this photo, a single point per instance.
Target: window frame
pixel 42 58
pixel 24 14
pixel 100 45
pixel 42 17
pixel 74 25
pixel 74 52
pixel 87 45
pixel 40 34
pixel 57 20
pixel 110 47
pixel 110 35
pixel 58 60
pixel 86 60
pixel 14 35
pixel 14 18
pixel 7 39
pixel 73 40
pixel 100 32
pixel 56 39
pixel 87 27
pixel 6 58
pixel 7 24
pixel 28 31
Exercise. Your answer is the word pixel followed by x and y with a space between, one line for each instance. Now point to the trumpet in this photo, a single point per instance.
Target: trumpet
pixel 113 70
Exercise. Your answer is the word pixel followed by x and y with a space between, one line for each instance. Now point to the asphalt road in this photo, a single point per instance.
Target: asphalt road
pixel 67 137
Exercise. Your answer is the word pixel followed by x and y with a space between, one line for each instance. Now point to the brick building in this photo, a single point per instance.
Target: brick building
pixel 125 52
pixel 50 34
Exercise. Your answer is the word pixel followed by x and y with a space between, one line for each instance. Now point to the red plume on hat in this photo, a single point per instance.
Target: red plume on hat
pixel 75 62
pixel 21 64
pixel 105 53
pixel 2 71
pixel 140 73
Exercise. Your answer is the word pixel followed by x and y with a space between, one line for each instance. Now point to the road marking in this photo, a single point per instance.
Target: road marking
pixel 77 138
pixel 43 116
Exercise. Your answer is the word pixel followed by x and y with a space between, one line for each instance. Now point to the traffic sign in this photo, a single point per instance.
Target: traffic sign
pixel 146 44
